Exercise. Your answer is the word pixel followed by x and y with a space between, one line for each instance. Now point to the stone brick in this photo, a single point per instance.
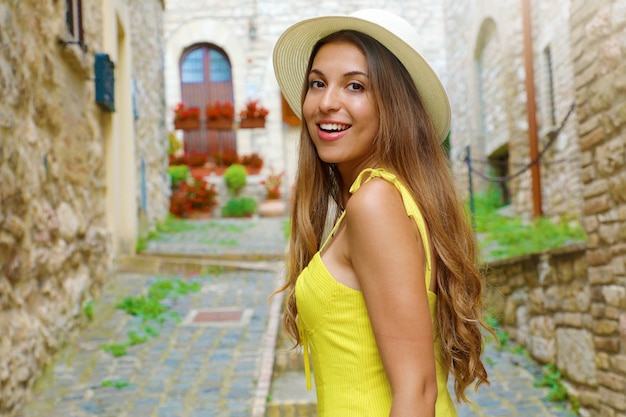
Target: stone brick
pixel 606 344
pixel 603 361
pixel 615 295
pixel 595 188
pixel 612 381
pixel 586 158
pixel 588 174
pixel 614 399
pixel 598 257
pixel 617 186
pixel 605 327
pixel 610 156
pixel 597 205
pixel 609 234
pixel 584 128
pixel 574 320
pixel 575 355
pixel 593 240
pixel 588 400
pixel 618 362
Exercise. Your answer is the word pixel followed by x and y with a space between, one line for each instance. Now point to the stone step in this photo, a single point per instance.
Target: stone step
pixel 289 396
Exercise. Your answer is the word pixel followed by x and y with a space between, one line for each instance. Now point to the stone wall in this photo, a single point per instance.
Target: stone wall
pixel 549 304
pixel 484 46
pixel 55 244
pixel 54 251
pixel 149 100
pixel 598 48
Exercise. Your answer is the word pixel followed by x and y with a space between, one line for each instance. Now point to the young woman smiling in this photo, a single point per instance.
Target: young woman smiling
pixel 388 303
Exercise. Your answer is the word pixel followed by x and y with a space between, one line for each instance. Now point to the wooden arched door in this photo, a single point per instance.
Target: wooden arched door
pixel 206 76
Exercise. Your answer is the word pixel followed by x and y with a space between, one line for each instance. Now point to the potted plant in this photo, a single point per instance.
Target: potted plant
pixel 194 199
pixel 197 163
pixel 186 118
pixel 236 178
pixel 272 184
pixel 252 162
pixel 220 115
pixel 239 207
pixel 229 157
pixel 178 175
pixel 273 206
pixel 253 115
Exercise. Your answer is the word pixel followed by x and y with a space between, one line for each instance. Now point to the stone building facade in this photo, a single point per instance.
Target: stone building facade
pixel 599 62
pixel 486 83
pixel 567 306
pixel 71 192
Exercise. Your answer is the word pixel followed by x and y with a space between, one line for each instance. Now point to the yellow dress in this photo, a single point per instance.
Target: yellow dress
pixel 350 380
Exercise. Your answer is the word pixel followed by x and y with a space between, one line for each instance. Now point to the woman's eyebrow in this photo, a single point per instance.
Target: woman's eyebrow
pixel 347 74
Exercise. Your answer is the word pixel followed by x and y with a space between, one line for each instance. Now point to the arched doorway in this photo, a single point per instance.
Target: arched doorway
pixel 206 77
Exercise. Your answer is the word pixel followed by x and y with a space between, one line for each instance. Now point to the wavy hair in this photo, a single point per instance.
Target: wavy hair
pixel 408 146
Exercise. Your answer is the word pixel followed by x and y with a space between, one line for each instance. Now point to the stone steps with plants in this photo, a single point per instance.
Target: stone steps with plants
pixel 288 394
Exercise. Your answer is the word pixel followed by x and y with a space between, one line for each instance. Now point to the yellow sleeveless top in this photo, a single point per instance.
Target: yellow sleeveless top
pixel 350 379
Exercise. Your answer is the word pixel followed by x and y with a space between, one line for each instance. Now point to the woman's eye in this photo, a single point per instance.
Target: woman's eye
pixel 316 84
pixel 355 86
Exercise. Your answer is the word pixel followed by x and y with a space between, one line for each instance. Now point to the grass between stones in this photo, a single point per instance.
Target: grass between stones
pixel 550 377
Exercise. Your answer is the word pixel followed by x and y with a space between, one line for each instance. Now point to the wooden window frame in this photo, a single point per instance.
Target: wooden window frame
pixel 74 22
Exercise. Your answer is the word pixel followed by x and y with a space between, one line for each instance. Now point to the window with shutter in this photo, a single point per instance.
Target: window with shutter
pixel 74 22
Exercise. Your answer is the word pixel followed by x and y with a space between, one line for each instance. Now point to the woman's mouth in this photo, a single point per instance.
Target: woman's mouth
pixel 333 127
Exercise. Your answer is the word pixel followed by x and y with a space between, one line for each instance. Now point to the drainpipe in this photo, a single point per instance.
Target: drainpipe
pixel 531 109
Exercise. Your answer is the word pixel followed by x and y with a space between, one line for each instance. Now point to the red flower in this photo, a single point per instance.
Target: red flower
pixel 253 110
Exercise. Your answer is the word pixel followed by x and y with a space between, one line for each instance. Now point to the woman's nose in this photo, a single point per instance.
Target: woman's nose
pixel 330 100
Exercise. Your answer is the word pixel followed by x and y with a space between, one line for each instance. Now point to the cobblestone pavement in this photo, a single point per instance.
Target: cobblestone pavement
pixel 192 367
pixel 511 392
pixel 216 360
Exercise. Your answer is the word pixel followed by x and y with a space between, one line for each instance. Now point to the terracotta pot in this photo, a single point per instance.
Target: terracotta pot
pixel 253 170
pixel 201 172
pixel 272 208
pixel 187 124
pixel 198 215
pixel 252 122
pixel 219 124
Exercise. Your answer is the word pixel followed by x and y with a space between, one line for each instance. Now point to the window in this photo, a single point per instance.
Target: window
pixel 499 167
pixel 219 67
pixel 192 68
pixel 74 21
pixel 547 53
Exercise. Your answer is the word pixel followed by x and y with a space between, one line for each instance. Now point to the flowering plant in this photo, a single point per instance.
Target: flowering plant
pixel 253 160
pixel 220 110
pixel 200 194
pixel 181 112
pixel 272 184
pixel 193 195
pixel 253 110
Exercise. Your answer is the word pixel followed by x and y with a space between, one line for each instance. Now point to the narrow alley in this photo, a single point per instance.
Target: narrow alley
pixel 216 359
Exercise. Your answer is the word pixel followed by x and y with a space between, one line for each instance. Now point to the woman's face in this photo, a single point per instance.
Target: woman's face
pixel 339 108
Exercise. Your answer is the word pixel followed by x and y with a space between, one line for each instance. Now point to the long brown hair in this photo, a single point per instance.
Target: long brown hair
pixel 408 146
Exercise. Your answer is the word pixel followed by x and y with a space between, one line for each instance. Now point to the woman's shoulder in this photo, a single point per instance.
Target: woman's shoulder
pixel 374 198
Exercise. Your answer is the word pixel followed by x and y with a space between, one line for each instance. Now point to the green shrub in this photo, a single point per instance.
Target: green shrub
pixel 178 173
pixel 235 177
pixel 504 237
pixel 239 207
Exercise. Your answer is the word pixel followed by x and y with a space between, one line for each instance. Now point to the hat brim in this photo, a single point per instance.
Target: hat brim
pixel 293 50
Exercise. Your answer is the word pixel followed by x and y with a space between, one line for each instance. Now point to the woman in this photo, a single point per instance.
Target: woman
pixel 389 302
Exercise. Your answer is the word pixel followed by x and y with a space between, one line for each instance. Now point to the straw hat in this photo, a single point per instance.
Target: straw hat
pixel 293 49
